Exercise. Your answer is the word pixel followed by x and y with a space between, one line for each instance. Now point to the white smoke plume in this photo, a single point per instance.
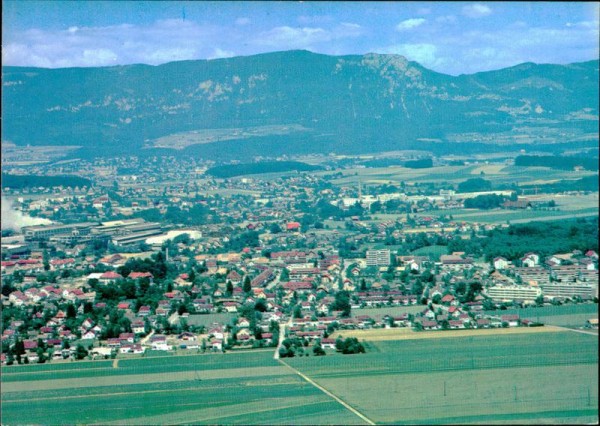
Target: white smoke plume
pixel 15 220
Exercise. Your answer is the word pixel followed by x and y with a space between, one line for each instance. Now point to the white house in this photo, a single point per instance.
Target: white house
pixel 501 263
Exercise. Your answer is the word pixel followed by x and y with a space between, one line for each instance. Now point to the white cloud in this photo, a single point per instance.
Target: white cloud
pixel 478 50
pixel 476 10
pixel 220 53
pixel 159 42
pixel 242 21
pixel 347 30
pixel 286 37
pixel 293 37
pixel 410 24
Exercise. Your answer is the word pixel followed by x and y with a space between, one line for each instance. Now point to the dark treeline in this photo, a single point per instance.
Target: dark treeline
pixel 475 185
pixel 485 202
pixel 233 170
pixel 423 163
pixel 30 181
pixel 557 162
pixel 544 238
pixel 588 183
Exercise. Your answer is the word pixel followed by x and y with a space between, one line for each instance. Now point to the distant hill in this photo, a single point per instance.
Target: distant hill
pixel 297 102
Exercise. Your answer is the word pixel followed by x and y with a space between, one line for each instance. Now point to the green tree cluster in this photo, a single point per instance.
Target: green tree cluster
pixel 350 345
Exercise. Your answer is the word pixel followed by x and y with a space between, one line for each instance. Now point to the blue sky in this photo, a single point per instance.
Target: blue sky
pixel 448 37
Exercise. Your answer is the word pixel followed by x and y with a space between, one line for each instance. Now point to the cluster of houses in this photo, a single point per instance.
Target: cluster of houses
pixel 312 280
pixel 292 272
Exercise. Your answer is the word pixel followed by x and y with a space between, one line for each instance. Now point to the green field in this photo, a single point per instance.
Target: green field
pixel 434 252
pixel 517 216
pixel 563 316
pixel 388 310
pixel 519 378
pixel 498 174
pixel 480 379
pixel 209 319
pixel 246 388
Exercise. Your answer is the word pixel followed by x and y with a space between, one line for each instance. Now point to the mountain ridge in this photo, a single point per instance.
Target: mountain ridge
pixel 387 100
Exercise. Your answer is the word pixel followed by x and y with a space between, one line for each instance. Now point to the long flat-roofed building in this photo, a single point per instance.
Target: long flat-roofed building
pixel 378 257
pixel 513 293
pixel 41 232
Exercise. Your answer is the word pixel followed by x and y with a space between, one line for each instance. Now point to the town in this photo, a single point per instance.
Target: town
pixel 158 255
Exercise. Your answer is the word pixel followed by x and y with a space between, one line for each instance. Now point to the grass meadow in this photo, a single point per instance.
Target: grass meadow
pixel 519 378
pixel 541 377
pixel 562 315
pixel 243 388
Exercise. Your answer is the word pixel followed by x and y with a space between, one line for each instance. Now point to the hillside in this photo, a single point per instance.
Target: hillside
pixel 297 102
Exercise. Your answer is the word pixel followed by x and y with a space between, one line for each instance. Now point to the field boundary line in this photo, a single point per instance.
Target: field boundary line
pixel 312 382
pixel 591 333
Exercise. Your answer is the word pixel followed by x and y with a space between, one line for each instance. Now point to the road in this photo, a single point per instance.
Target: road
pixel 281 337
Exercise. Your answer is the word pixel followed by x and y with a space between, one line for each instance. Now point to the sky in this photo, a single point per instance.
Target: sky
pixel 449 37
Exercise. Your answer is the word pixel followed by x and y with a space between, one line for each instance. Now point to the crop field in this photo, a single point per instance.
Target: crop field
pixel 407 333
pixel 476 378
pixel 138 366
pixel 497 174
pixel 517 216
pixel 388 310
pixel 247 388
pixel 518 378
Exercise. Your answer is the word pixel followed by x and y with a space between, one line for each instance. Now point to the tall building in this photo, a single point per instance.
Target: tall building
pixel 378 257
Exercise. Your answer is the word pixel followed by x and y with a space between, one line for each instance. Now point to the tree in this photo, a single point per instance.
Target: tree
pixel 41 356
pixel 71 312
pixel 247 287
pixel 260 305
pixel 363 285
pixel 46 260
pixel 297 312
pixel 80 352
pixel 19 347
pixel 341 303
pixel 229 288
pixel 488 305
pixel 318 350
pixel 351 345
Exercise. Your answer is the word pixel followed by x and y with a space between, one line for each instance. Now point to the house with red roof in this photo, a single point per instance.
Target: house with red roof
pixel 298 286
pixel 144 311
pixel 293 226
pixel 110 277
pixel 62 263
pixel 140 275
